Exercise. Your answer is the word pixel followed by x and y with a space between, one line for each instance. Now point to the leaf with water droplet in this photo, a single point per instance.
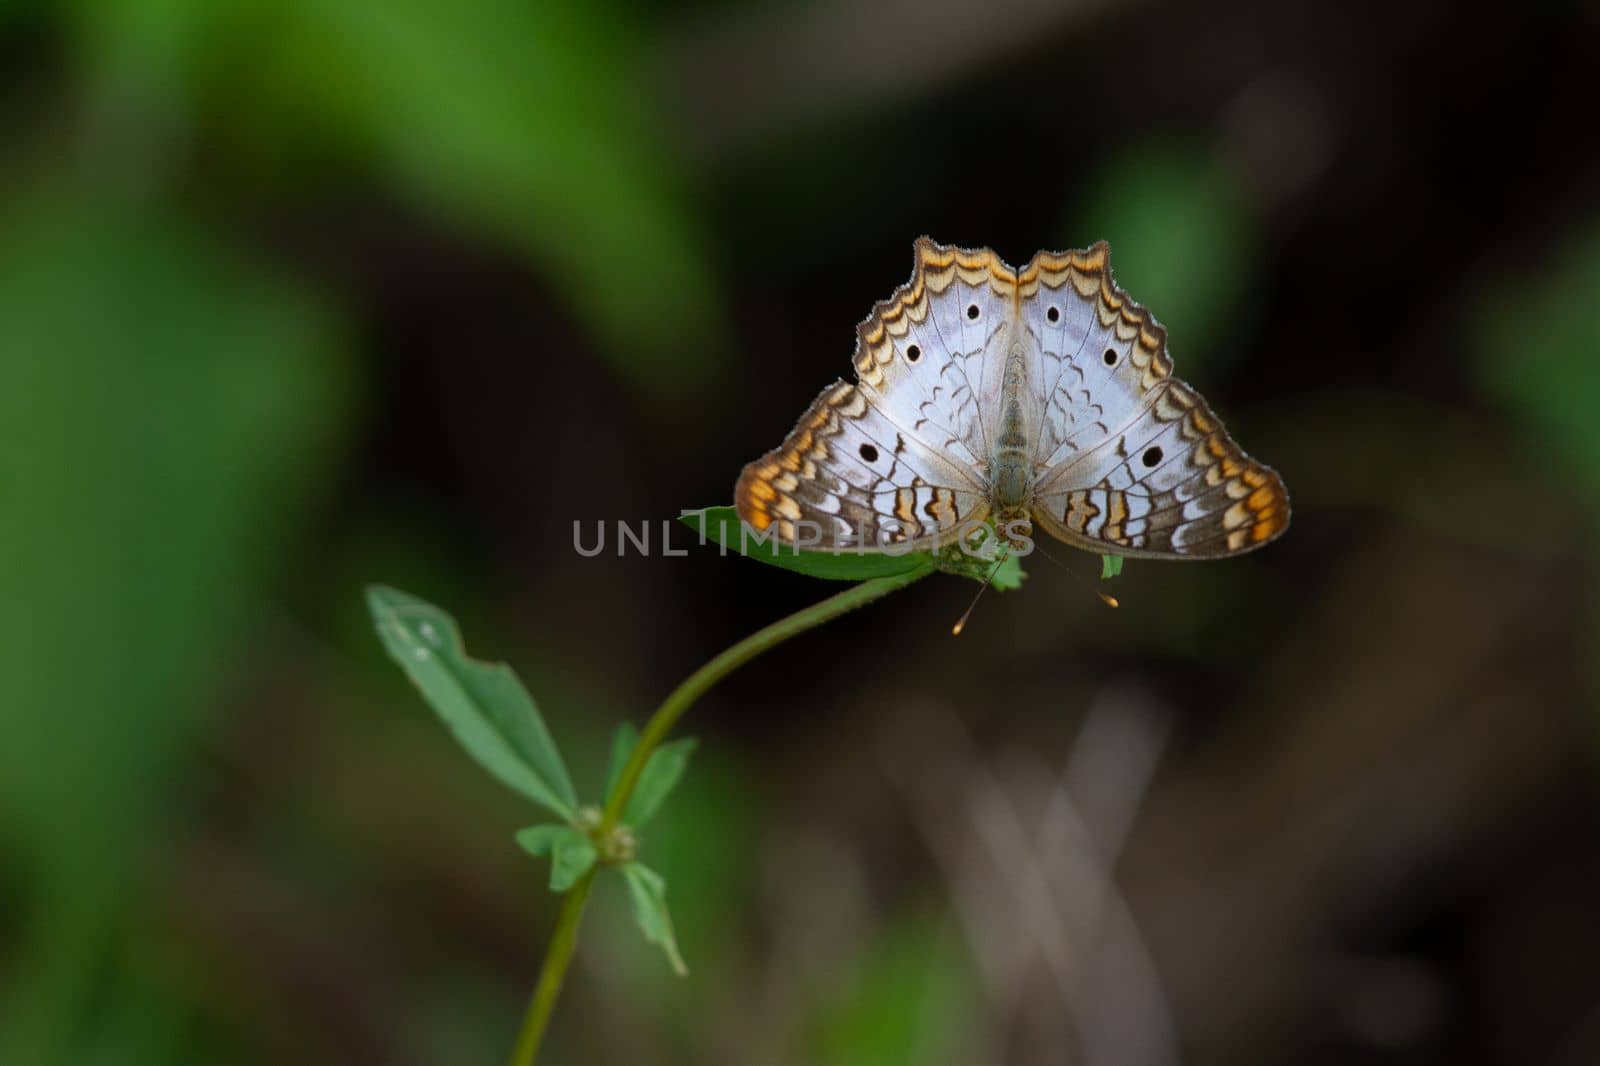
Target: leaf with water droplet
pixel 484 704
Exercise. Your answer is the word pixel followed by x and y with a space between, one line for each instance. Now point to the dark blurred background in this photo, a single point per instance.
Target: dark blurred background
pixel 300 295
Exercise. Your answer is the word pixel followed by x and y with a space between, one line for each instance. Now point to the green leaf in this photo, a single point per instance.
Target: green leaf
pixel 721 525
pixel 1110 566
pixel 979 564
pixel 540 840
pixel 1010 576
pixel 660 776
pixel 648 890
pixel 571 856
pixel 484 704
pixel 571 852
pixel 656 782
pixel 621 747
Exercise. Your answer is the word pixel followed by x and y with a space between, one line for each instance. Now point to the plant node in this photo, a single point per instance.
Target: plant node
pixel 616 847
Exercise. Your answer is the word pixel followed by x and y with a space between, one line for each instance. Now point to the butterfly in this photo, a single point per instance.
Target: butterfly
pixel 1043 397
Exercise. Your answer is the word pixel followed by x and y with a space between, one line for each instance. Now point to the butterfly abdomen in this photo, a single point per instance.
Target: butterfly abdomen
pixel 1011 465
pixel 1011 479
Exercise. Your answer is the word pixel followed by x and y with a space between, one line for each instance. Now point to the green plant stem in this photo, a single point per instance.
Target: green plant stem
pixel 556 958
pixel 565 938
pixel 696 684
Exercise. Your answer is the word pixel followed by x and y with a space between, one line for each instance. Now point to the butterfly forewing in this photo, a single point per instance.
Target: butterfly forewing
pixel 898 459
pixel 923 357
pixel 1100 361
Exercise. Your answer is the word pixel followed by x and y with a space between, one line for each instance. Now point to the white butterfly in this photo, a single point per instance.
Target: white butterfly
pixel 1041 396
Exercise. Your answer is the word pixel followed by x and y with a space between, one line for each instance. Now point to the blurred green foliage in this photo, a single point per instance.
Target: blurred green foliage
pixel 162 404
pixel 907 999
pixel 527 124
pixel 1182 242
pixel 1540 353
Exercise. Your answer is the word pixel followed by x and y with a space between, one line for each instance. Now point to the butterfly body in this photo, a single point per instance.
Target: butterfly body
pixel 1043 396
pixel 1011 468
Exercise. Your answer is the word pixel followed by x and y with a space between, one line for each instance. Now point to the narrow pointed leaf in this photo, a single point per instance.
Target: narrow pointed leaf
pixel 540 840
pixel 570 858
pixel 660 776
pixel 621 747
pixel 484 704
pixel 648 890
pixel 721 525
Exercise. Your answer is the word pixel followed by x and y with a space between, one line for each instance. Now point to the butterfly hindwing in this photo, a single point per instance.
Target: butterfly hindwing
pixel 847 477
pixel 1172 484
pixel 1129 457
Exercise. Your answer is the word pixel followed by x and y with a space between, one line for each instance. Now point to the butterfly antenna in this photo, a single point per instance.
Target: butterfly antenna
pixel 1105 598
pixel 961 623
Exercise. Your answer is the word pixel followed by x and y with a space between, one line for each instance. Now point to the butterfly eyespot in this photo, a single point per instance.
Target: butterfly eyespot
pixel 1152 456
pixel 913 353
pixel 1054 314
pixel 1110 358
pixel 972 310
pixel 869 453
